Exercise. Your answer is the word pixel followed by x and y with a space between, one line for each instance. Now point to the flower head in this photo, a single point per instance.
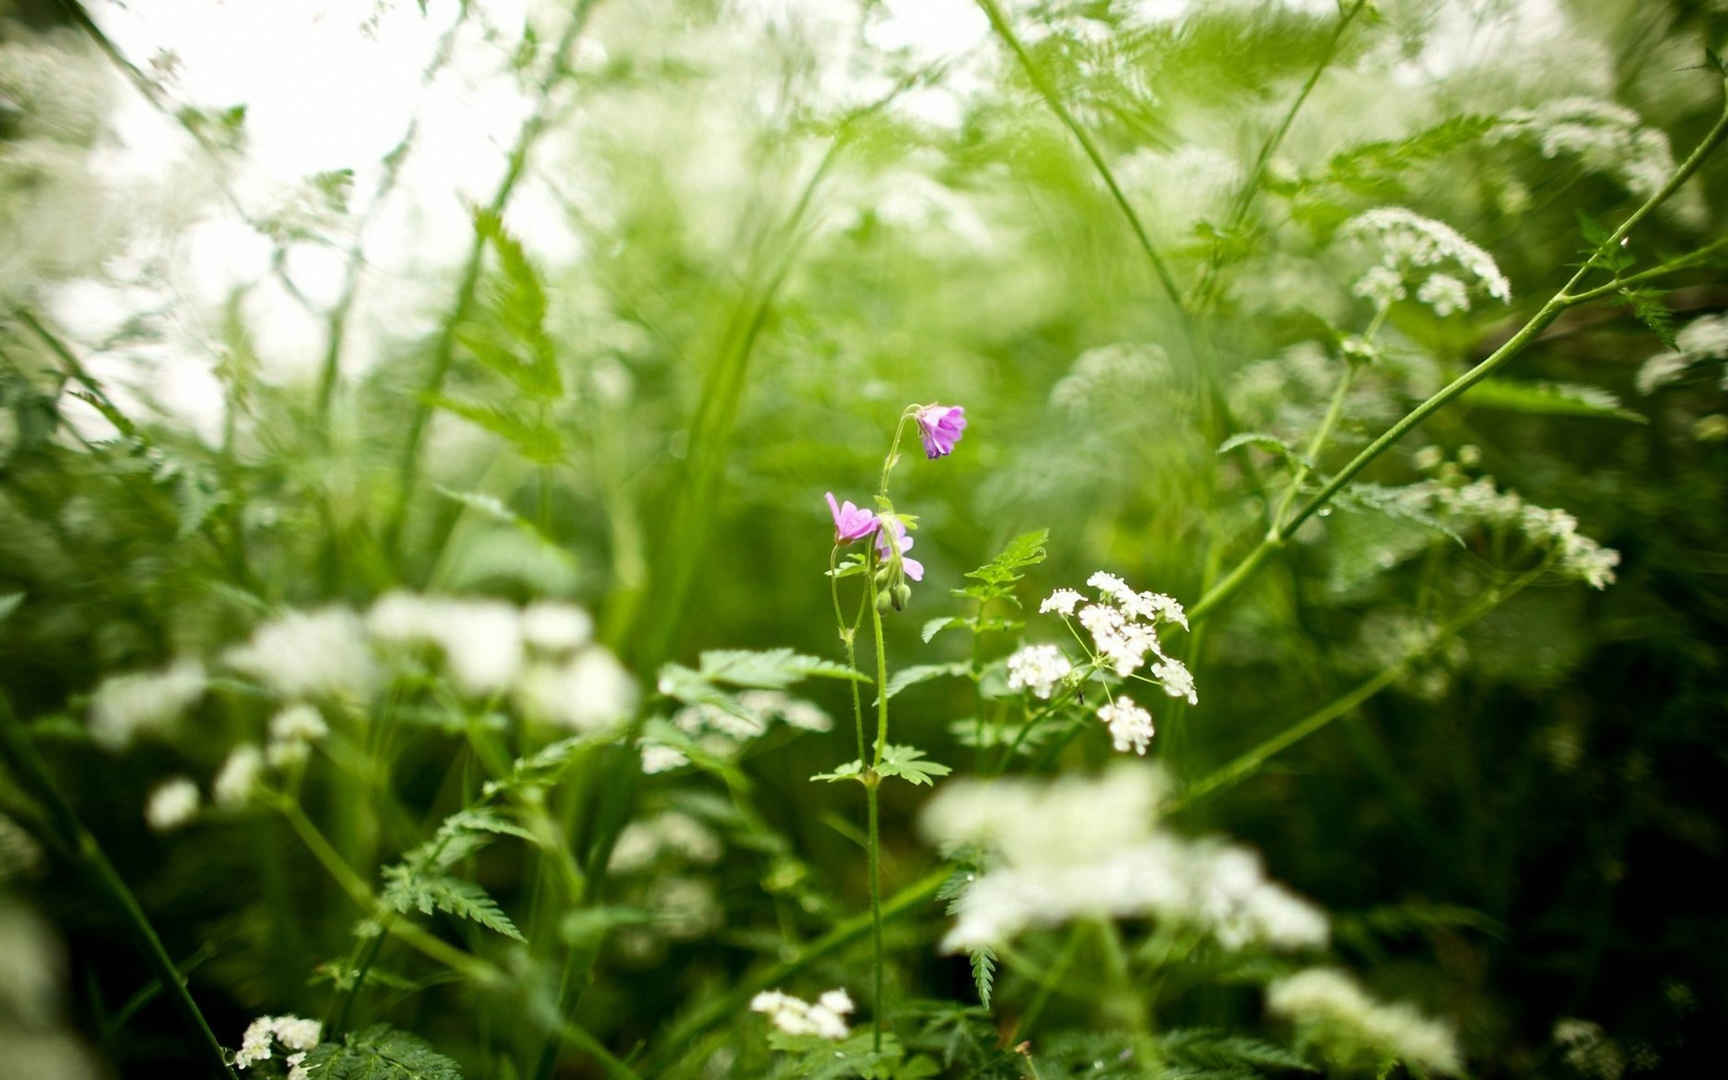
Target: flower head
pixel 850 522
pixel 940 426
pixel 914 568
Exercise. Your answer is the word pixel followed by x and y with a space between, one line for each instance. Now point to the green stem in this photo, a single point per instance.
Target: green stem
pixel 1317 443
pixel 1050 979
pixel 32 774
pixel 1514 345
pixel 999 23
pixel 1203 291
pixel 1247 764
pixel 1678 263
pixel 872 780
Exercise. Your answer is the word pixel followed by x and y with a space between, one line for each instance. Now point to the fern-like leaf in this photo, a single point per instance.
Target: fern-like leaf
pixel 379 1053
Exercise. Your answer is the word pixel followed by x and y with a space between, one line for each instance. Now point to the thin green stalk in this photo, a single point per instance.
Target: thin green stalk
pixel 1249 763
pixel 1317 443
pixel 873 780
pixel 1203 291
pixel 999 23
pixel 1048 982
pixel 20 755
pixel 1559 302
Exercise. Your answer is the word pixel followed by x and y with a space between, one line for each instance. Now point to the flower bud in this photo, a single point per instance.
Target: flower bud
pixel 884 601
pixel 902 594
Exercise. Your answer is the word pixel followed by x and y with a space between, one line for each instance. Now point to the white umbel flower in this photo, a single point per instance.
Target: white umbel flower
pixel 171 804
pixel 1354 1028
pixel 795 1016
pixel 292 1032
pixel 238 776
pixel 124 706
pixel 1062 602
pixel 555 627
pixel 480 639
pixel 1445 294
pixel 659 758
pixel 321 653
pixel 1037 668
pixel 588 692
pixel 1408 241
pixel 1130 725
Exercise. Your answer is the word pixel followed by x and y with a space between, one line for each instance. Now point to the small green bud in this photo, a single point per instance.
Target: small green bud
pixel 884 601
pixel 902 594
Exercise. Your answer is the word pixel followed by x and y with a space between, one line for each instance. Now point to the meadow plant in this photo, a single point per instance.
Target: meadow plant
pixel 412 640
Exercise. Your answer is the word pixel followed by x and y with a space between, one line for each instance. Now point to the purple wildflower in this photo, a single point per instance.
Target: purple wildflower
pixel 914 569
pixel 850 523
pixel 940 426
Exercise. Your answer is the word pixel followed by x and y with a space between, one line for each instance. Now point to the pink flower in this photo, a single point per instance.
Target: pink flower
pixel 914 568
pixel 940 426
pixel 850 523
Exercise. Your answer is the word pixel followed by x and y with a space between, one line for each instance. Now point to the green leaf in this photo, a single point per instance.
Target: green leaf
pixel 1549 399
pixel 1265 442
pixel 852 770
pixel 769 669
pixel 983 972
pixel 379 1053
pixel 823 1059
pixel 1217 1052
pixel 918 673
pixel 1648 306
pixel 910 764
pixel 537 441
pixel 1023 551
pixel 935 626
pixel 585 927
pixel 405 890
pixel 9 603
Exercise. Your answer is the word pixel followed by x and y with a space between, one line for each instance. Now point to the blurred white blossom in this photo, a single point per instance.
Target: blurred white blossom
pixel 171 804
pixel 310 654
pixel 238 777
pixel 1037 668
pixel 795 1016
pixel 1353 1028
pixel 123 706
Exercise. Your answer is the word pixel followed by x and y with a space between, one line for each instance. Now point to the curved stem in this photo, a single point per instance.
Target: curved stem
pixel 999 23
pixel 1249 763
pixel 1514 345
pixel 20 755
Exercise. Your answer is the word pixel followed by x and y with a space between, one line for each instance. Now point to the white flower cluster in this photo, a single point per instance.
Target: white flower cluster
pixel 238 778
pixel 640 843
pixel 292 733
pixel 171 804
pixel 1606 138
pixel 1037 668
pixel 322 653
pixel 1703 339
pixel 1352 1027
pixel 125 706
pixel 1481 503
pixel 795 1016
pixel 1076 847
pixel 1130 725
pixel 291 1031
pixel 1588 1049
pixel 1410 243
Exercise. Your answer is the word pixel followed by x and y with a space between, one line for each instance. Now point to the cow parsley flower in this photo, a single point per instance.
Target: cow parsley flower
pixel 589 691
pixel 1062 602
pixel 123 706
pixel 1409 242
pixel 292 1032
pixel 659 758
pixel 1088 847
pixel 238 776
pixel 1381 284
pixel 172 804
pixel 555 628
pixel 1130 725
pixel 480 639
pixel 850 522
pixel 292 733
pixel 1445 294
pixel 1037 668
pixel 940 426
pixel 310 654
pixel 795 1016
pixel 1353 1029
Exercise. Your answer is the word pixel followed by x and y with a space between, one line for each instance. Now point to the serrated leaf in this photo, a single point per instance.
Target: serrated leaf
pixel 379 1053
pixel 769 669
pixel 427 893
pixel 1217 1051
pixel 1023 551
pixel 823 1059
pixel 983 972
pixel 1653 313
pixel 537 441
pixel 918 673
pixel 910 764
pixel 1549 399
pixel 852 770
